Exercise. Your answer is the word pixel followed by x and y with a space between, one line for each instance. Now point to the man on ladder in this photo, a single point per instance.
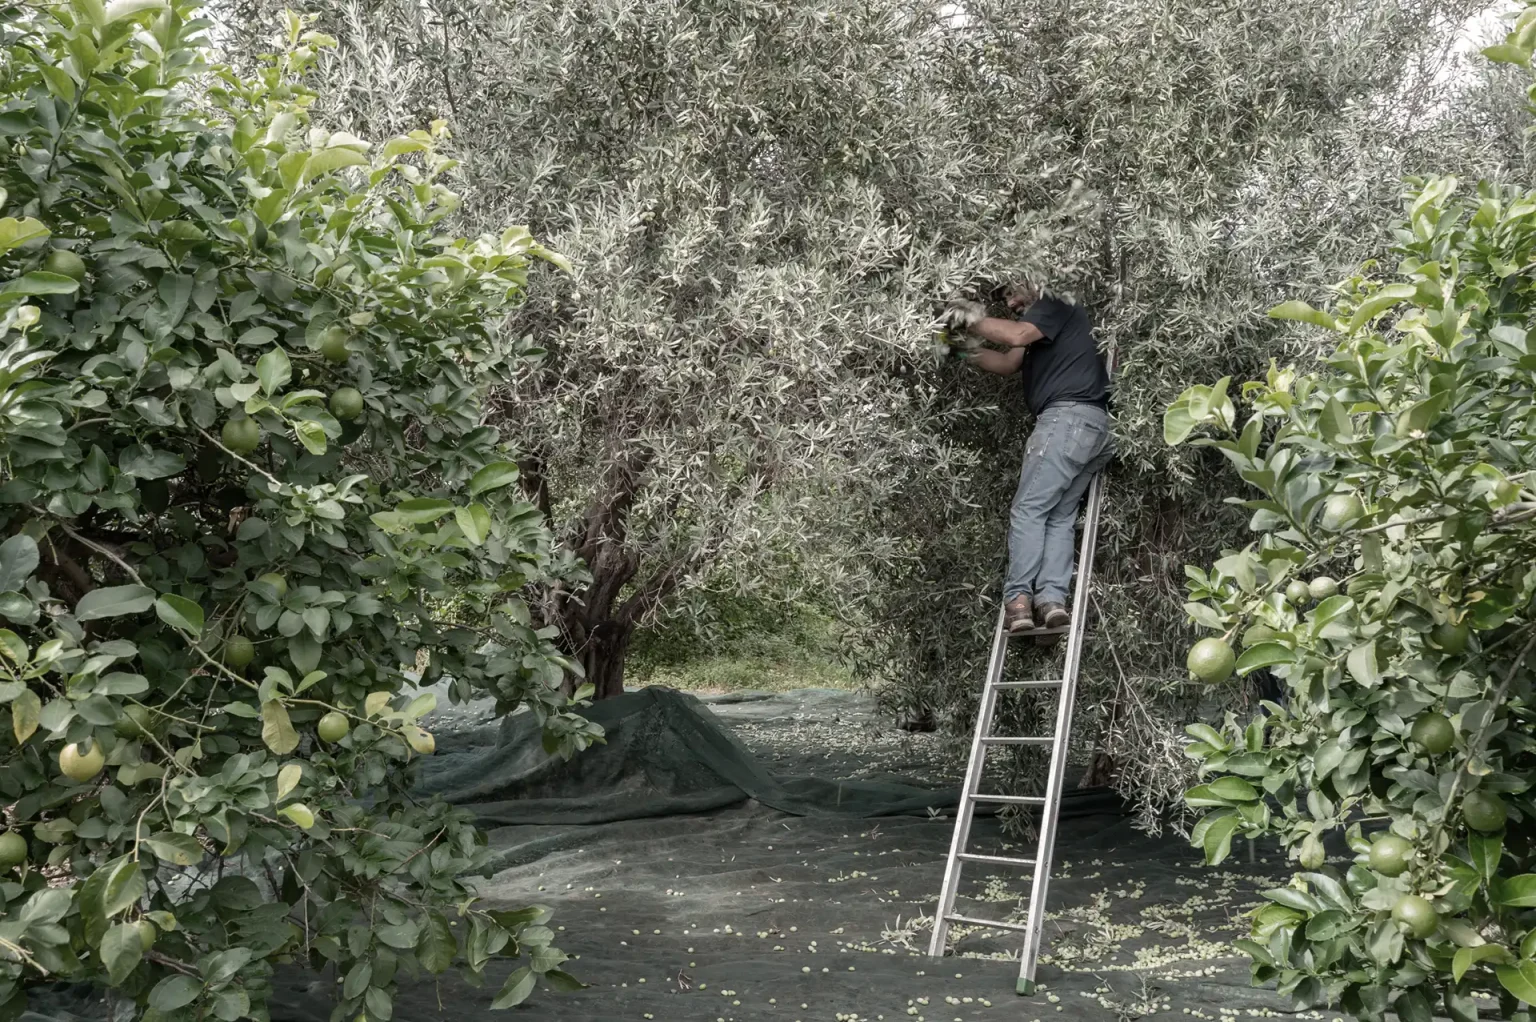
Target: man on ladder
pixel 1066 387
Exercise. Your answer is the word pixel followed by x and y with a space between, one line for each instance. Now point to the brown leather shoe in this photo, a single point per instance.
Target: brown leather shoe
pixel 1054 615
pixel 1018 617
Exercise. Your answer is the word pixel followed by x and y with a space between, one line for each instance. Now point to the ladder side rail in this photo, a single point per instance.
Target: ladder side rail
pixel 967 807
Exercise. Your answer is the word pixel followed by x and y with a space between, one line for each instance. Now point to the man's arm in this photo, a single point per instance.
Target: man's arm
pixel 965 315
pixel 1016 335
pixel 1003 363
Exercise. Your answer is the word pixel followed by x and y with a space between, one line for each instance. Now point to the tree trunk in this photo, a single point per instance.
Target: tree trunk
pixel 603 659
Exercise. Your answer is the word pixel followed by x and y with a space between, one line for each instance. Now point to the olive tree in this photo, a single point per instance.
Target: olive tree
pixel 765 202
pixel 245 464
pixel 1390 587
pixel 1239 154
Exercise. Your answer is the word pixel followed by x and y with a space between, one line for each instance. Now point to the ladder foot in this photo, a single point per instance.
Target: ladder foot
pixel 1025 987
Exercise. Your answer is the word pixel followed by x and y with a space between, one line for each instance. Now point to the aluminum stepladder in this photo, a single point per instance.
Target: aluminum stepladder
pixel 1050 804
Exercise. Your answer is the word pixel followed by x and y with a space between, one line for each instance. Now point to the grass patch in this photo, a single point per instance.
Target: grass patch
pixel 742 646
pixel 746 673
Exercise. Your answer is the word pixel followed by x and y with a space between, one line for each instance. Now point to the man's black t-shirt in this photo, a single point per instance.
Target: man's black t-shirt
pixel 1064 365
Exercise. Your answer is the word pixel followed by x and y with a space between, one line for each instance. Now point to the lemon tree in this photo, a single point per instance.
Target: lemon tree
pixel 1400 471
pixel 242 467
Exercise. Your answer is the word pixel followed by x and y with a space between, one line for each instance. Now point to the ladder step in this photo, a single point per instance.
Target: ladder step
pixel 1000 860
pixel 1041 683
pixel 993 923
pixel 1011 800
pixel 1037 740
pixel 1039 631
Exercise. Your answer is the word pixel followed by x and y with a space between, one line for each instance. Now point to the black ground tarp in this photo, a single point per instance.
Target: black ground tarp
pixel 777 858
pixel 664 753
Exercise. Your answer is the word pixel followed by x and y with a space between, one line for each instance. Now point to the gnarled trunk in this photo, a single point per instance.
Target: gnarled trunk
pixel 603 659
pixel 595 624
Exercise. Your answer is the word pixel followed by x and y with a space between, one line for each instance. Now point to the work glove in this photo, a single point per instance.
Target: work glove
pixel 959 346
pixel 963 315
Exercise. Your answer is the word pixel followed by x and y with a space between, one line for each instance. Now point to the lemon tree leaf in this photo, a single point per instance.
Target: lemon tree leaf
pixel 492 477
pixel 26 710
pixel 516 989
pixel 1302 312
pixel 299 813
pixel 288 779
pixel 180 612
pixel 177 849
pixel 475 522
pixel 114 601
pixel 277 729
pixel 1519 980
pixel 1469 956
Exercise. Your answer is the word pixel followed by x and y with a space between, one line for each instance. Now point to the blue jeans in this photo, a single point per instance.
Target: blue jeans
pixel 1070 444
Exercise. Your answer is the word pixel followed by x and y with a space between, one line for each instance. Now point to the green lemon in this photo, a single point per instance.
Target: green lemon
pixel 239 651
pixel 133 723
pixel 147 933
pixel 1340 510
pixel 1298 593
pixel 81 761
pixel 1433 732
pixel 333 727
pixel 1322 587
pixel 1451 639
pixel 1416 915
pixel 333 344
pixel 1484 811
pixel 65 262
pixel 1211 660
pixel 13 850
pixel 277 582
pixel 346 403
pixel 241 435
pixel 1390 855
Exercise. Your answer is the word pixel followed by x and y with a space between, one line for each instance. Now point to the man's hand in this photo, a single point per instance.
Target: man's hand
pixel 959 346
pixel 963 315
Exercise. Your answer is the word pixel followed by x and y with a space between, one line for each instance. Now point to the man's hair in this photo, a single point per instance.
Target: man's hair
pixel 1023 287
